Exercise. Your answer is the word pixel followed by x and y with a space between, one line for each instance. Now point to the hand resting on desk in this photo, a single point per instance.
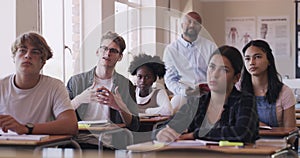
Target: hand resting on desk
pixel 167 135
pixel 8 122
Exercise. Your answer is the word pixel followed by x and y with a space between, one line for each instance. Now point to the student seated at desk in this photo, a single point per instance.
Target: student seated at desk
pixel 150 100
pixel 32 103
pixel 275 101
pixel 104 94
pixel 222 114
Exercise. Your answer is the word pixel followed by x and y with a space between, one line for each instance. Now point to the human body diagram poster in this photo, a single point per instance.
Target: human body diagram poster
pixel 275 30
pixel 239 31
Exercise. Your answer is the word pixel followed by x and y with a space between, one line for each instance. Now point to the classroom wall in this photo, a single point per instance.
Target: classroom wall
pixel 90 27
pixel 214 14
pixel 27 16
pixel 97 18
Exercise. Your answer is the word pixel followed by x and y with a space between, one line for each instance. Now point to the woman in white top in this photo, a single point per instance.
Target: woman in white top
pixel 149 99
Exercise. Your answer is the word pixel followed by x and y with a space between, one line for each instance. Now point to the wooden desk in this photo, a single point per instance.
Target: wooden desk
pixel 290 134
pixel 216 151
pixel 55 153
pixel 102 130
pixel 278 131
pixel 38 145
pixel 298 123
pixel 154 119
pixel 146 127
pixel 298 115
pixel 173 153
pixel 248 149
pixel 148 123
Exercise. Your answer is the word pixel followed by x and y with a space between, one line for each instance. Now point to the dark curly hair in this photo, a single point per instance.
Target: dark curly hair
pixel 153 63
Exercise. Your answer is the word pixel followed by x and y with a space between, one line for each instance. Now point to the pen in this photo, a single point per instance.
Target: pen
pixel 228 143
pixel 100 90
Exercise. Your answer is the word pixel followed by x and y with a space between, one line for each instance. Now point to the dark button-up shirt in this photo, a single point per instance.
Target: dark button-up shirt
pixel 238 122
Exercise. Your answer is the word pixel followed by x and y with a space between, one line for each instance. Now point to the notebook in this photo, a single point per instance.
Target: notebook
pixel 92 123
pixel 10 135
pixel 196 142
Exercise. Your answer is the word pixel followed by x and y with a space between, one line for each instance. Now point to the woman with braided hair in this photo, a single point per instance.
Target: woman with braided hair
pixel 151 100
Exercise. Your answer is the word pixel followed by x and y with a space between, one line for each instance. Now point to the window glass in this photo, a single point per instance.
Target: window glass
pixel 61 28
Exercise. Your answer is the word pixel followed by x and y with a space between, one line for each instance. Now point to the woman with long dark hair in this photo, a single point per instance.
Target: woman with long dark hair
pixel 222 114
pixel 275 101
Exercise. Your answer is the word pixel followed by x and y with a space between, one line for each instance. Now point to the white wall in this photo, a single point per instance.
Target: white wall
pixel 91 18
pixel 97 18
pixel 214 14
pixel 26 16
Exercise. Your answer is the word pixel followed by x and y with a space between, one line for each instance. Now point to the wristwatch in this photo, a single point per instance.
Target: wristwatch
pixel 30 127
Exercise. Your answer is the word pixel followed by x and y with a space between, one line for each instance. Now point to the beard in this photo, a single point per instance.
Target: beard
pixel 191 33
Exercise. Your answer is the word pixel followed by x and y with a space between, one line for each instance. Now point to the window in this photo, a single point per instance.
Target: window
pixel 8 34
pixel 127 24
pixel 61 27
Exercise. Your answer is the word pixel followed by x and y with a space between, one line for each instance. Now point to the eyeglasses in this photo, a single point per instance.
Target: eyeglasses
pixel 111 50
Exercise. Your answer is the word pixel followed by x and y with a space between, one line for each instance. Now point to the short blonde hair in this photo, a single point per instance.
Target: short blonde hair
pixel 36 40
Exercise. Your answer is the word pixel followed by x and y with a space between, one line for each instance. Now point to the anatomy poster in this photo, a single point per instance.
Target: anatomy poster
pixel 239 31
pixel 276 31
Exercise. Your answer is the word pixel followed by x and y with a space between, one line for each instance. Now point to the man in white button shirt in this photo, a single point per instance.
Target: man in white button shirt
pixel 186 60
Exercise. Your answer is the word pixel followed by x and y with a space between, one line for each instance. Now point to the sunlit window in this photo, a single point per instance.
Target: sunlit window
pixel 127 24
pixel 61 28
pixel 8 34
